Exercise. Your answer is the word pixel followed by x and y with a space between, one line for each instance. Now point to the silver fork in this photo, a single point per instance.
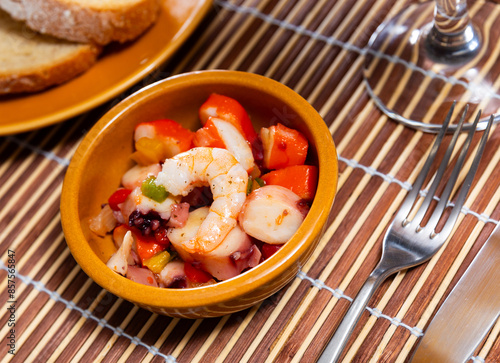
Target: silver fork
pixel 406 242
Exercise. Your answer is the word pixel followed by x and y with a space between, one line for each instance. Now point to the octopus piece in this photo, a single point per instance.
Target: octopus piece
pixel 235 254
pixel 272 214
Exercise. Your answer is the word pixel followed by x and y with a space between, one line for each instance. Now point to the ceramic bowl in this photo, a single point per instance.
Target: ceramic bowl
pixel 104 155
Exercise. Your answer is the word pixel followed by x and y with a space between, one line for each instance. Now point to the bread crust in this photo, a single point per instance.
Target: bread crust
pixel 75 22
pixel 31 62
pixel 55 73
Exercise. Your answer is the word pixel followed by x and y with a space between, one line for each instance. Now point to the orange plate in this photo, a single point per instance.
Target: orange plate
pixel 118 68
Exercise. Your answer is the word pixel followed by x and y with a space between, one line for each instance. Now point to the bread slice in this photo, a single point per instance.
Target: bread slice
pixel 86 21
pixel 31 62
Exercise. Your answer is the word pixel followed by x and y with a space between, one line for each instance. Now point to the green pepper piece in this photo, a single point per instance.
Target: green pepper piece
pixel 153 191
pixel 254 183
pixel 260 182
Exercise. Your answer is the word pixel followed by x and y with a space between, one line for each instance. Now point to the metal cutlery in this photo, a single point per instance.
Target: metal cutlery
pixel 407 243
pixel 468 313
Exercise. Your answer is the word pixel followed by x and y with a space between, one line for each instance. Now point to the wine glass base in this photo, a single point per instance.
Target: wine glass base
pixel 414 88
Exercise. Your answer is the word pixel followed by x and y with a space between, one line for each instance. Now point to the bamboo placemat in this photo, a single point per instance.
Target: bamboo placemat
pixel 316 48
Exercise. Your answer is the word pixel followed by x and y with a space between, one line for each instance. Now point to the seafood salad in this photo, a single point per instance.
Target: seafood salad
pixel 199 207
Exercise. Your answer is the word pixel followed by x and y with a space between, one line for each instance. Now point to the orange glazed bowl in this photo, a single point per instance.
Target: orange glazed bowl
pixel 103 157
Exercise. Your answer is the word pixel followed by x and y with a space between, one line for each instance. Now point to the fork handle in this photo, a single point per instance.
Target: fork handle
pixel 336 345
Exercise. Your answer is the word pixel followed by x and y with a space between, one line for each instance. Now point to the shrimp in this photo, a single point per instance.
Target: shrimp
pixel 235 254
pixel 227 179
pixel 235 143
pixel 272 214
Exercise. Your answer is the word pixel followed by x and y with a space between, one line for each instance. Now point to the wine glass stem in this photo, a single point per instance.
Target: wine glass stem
pixel 451 17
pixel 452 36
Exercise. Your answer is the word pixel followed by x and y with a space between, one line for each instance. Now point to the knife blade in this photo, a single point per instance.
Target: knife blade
pixel 468 313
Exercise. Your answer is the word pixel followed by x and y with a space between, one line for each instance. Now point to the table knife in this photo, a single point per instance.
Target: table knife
pixel 468 313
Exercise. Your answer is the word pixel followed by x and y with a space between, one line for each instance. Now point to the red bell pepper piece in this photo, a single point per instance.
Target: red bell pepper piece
pixel 167 129
pixel 208 136
pixel 147 247
pixel 300 179
pixel 283 147
pixel 117 198
pixel 230 110
pixel 196 275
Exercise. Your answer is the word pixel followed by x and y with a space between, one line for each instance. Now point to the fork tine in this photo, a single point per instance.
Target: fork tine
pixel 468 179
pixel 443 201
pixel 442 168
pixel 407 204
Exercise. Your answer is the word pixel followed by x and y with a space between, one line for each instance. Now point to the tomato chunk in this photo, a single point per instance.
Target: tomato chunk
pixel 147 247
pixel 117 198
pixel 160 139
pixel 230 110
pixel 208 136
pixel 283 147
pixel 196 275
pixel 300 179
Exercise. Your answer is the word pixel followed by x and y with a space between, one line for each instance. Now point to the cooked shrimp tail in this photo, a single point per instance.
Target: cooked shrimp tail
pixel 220 170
